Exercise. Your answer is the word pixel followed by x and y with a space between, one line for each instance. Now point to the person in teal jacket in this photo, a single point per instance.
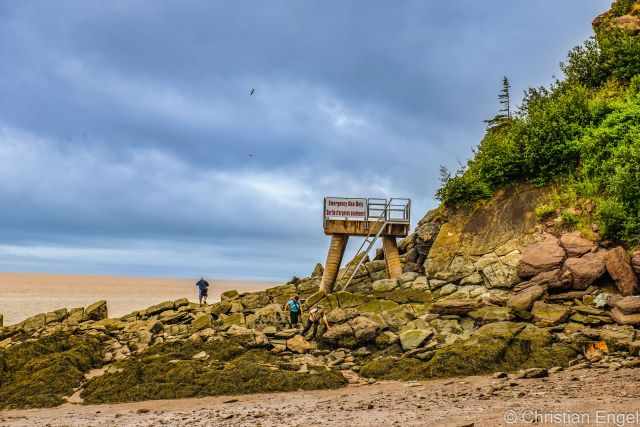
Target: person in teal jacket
pixel 293 305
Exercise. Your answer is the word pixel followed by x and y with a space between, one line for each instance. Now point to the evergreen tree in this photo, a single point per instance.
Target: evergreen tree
pixel 505 98
pixel 504 114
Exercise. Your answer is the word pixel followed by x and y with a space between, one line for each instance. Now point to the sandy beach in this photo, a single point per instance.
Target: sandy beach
pixel 25 294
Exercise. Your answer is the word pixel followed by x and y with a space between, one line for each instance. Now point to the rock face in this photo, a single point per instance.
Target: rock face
pixel 619 268
pixel 586 270
pixel 540 257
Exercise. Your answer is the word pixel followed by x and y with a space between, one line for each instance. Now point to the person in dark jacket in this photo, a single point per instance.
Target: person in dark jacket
pixel 203 290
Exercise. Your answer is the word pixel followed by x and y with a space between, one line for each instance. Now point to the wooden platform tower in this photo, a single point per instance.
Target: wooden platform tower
pixel 370 218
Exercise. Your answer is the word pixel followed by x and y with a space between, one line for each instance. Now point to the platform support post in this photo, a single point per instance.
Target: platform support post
pixel 334 259
pixel 392 257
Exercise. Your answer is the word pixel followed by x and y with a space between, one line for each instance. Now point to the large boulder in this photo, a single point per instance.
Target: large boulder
pixel 525 299
pixel 364 329
pixel 298 344
pixel 541 256
pixel 619 267
pixel 97 311
pixel 575 244
pixel 549 314
pixel 586 270
pixel 414 338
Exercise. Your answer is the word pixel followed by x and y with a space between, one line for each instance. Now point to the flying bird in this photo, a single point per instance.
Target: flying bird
pixel 252 91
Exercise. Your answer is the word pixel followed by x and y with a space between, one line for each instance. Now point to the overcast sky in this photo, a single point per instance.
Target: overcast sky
pixel 129 143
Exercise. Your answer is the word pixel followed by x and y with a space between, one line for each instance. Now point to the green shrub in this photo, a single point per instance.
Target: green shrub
pixel 545 211
pixel 569 219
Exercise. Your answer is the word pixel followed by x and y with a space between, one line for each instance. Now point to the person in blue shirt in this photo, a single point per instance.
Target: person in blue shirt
pixel 203 290
pixel 293 305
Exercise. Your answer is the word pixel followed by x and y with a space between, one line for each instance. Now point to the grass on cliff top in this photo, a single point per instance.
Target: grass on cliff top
pixel 167 371
pixel 41 372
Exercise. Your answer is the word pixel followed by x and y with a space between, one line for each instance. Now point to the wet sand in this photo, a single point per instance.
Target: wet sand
pixel 25 294
pixel 585 397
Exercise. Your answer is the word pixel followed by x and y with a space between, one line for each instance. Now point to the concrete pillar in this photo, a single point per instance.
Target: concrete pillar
pixel 392 257
pixel 334 259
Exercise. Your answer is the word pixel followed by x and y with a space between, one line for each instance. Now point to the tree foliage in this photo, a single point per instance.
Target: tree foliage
pixel 586 127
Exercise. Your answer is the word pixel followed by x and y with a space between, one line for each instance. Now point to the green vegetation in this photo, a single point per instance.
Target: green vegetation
pixel 582 132
pixel 40 373
pixel 167 371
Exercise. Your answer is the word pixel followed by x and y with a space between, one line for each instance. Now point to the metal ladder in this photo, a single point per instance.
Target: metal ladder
pixel 369 241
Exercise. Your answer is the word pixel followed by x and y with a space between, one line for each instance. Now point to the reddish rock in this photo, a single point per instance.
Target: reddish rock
pixel 628 305
pixel 619 268
pixel 586 270
pixel 624 319
pixel 575 244
pixel 555 280
pixel 540 257
pixel 635 262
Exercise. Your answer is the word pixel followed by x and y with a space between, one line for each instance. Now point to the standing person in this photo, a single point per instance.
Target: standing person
pixel 315 315
pixel 203 290
pixel 294 310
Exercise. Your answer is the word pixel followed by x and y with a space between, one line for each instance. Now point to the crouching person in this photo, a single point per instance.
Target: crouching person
pixel 315 316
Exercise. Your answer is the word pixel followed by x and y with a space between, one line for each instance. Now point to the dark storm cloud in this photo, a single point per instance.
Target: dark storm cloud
pixel 129 142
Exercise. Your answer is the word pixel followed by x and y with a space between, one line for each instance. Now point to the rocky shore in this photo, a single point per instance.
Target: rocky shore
pixel 477 297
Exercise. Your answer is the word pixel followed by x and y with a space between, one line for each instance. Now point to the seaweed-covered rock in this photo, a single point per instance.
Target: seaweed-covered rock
pixel 549 314
pixel 500 346
pixel 384 285
pixel 491 314
pixel 414 338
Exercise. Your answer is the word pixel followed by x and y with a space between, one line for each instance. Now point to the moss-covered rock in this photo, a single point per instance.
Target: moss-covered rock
pixel 97 311
pixel 377 306
pixel 500 346
pixel 168 371
pixel 40 373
